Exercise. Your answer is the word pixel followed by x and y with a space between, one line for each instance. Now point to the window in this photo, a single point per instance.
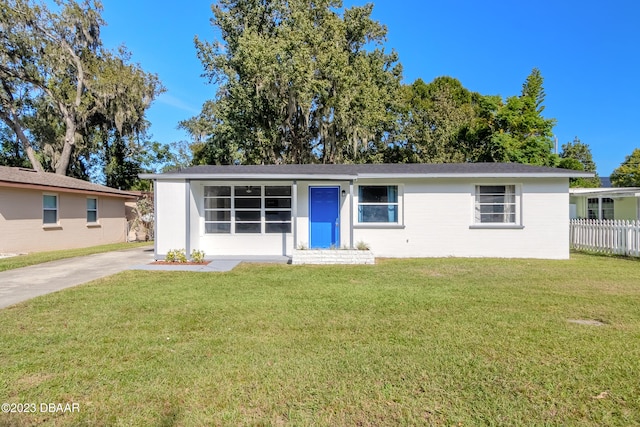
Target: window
pixel 49 209
pixel 217 209
pixel 248 203
pixel 495 204
pixel 246 209
pixel 600 208
pixel 378 204
pixel 92 210
pixel 277 204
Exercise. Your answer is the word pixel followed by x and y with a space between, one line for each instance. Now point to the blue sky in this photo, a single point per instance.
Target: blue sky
pixel 587 51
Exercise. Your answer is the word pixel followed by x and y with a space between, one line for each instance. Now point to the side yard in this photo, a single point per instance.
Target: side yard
pixel 410 342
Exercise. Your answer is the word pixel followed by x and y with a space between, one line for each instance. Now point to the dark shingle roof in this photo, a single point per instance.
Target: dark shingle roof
pixel 21 177
pixel 366 170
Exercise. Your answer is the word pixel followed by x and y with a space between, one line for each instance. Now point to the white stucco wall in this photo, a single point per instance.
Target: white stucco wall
pixel 170 215
pixel 439 221
pixel 436 220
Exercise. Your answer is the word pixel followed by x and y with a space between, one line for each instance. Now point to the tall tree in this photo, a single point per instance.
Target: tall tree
pixel 515 130
pixel 298 83
pixel 628 173
pixel 576 155
pixel 433 117
pixel 59 84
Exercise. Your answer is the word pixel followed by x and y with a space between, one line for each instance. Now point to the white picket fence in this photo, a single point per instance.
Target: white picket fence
pixel 615 237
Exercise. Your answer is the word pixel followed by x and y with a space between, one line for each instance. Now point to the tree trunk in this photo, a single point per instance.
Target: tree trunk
pixel 67 149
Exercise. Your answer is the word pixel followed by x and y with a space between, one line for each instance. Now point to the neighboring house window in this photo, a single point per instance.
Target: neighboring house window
pixel 600 208
pixel 495 204
pixel 593 208
pixel 49 209
pixel 378 204
pixel 92 210
pixel 247 209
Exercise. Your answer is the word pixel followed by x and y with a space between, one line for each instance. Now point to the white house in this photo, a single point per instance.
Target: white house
pixel 398 210
pixel 621 203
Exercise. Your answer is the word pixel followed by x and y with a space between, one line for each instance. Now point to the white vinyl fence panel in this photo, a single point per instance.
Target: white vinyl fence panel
pixel 614 237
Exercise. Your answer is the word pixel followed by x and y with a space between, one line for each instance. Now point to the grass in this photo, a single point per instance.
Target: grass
pixel 404 342
pixel 40 257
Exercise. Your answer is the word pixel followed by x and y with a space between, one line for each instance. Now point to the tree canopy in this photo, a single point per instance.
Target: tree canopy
pixel 299 82
pixel 576 155
pixel 628 173
pixel 64 98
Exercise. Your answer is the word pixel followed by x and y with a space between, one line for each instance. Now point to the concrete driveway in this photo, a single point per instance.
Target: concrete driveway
pixel 28 282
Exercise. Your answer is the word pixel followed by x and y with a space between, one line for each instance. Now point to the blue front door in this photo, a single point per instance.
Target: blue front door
pixel 324 207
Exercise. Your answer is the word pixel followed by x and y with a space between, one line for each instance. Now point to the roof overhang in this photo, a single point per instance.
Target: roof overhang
pixel 606 192
pixel 334 177
pixel 121 195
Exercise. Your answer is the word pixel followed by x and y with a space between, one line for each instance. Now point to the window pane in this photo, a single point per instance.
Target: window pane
pixel 217 228
pixel 92 204
pixel 278 216
pixel 378 194
pixel 217 203
pixel 50 202
pixel 247 215
pixel 92 216
pixel 217 215
pixel 278 228
pixel 278 191
pixel 247 227
pixel 277 203
pixel 248 190
pixel 216 190
pixel 50 217
pixel 492 189
pixel 378 213
pixel 247 203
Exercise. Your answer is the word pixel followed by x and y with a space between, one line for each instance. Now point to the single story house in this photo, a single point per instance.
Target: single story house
pixel 398 210
pixel 605 203
pixel 42 211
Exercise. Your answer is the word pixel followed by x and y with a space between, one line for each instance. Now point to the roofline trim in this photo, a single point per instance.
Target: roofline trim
pixel 336 177
pixel 10 184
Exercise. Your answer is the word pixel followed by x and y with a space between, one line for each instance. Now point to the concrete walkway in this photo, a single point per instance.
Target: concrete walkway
pixel 25 283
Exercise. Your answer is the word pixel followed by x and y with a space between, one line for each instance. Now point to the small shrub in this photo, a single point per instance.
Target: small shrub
pixel 197 256
pixel 302 247
pixel 171 256
pixel 362 246
pixel 181 256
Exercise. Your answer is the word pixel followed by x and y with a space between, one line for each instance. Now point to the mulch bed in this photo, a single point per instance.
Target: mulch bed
pixel 179 263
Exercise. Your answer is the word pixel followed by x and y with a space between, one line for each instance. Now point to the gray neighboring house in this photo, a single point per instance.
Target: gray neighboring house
pixel 42 211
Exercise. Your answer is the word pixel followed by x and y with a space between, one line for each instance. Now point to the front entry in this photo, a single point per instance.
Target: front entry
pixel 324 214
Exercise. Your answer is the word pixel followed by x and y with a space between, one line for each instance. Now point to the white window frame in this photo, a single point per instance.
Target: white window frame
pixel 46 209
pixel 516 205
pixel 92 210
pixel 263 221
pixel 600 209
pixel 399 223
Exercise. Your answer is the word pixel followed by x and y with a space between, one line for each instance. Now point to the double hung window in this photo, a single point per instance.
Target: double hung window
pixel 49 209
pixel 92 210
pixel 600 208
pixel 378 204
pixel 247 209
pixel 495 204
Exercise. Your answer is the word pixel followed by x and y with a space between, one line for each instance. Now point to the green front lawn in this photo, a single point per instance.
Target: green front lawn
pixel 410 342
pixel 40 257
